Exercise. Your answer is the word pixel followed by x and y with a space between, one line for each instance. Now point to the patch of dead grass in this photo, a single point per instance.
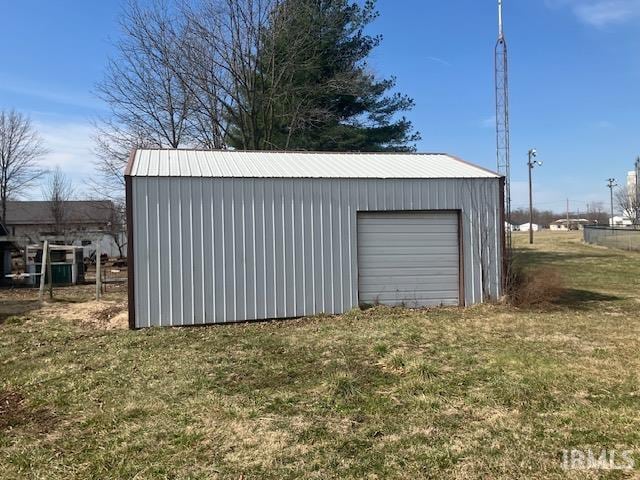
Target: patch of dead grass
pixel 16 412
pixel 102 314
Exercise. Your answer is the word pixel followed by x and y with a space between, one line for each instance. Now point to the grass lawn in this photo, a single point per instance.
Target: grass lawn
pixel 483 392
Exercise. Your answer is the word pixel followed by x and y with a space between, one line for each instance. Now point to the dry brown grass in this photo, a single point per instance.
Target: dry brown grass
pixel 17 413
pixel 489 391
pixel 104 314
pixel 535 286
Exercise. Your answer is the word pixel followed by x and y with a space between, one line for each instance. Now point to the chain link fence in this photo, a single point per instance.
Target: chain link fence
pixel 613 237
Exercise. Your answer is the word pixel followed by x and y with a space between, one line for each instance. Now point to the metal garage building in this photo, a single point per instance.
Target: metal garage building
pixel 228 236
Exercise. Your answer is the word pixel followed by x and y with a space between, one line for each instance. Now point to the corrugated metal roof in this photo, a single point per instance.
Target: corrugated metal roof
pixel 266 164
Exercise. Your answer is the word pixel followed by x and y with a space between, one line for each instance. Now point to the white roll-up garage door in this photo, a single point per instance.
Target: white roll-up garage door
pixel 409 259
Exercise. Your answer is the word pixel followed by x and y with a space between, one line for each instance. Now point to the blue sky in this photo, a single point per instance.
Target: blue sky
pixel 575 82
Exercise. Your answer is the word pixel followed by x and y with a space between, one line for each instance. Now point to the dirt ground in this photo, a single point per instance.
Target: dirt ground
pixel 75 303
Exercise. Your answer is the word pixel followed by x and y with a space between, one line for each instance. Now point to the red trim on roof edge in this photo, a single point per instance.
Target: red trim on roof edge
pixel 132 156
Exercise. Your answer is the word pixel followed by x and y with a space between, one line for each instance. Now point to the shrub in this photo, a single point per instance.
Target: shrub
pixel 529 286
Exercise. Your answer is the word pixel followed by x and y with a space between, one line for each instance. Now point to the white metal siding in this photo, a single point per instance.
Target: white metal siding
pixel 408 259
pixel 210 250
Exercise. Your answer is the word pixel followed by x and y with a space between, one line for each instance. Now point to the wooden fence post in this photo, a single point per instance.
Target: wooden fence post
pixel 43 268
pixel 98 271
pixel 50 270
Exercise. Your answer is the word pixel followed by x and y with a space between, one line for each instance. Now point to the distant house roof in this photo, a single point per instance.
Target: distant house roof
pixel 563 221
pixel 75 212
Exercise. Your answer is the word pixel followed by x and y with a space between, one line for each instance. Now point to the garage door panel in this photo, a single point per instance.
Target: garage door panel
pixel 407 283
pixel 435 295
pixel 408 261
pixel 436 248
pixel 416 299
pixel 408 258
pixel 409 291
pixel 404 272
pixel 411 218
pixel 411 229
pixel 386 238
pixel 417 303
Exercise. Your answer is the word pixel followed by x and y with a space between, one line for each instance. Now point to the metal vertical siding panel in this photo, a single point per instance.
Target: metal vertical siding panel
pixel 228 250
pixel 298 253
pixel 317 237
pixel 269 253
pixel 496 239
pixel 164 246
pixel 222 250
pixel 208 267
pixel 306 201
pixel 173 237
pixel 187 242
pixel 198 257
pixel 154 251
pixel 288 250
pixel 468 249
pixel 327 250
pixel 249 245
pixel 279 248
pixel 239 246
pixel 217 251
pixel 357 203
pixel 141 259
pixel 336 248
pixel 345 247
pixel 261 271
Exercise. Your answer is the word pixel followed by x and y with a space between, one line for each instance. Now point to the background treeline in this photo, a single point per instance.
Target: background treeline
pixel 594 212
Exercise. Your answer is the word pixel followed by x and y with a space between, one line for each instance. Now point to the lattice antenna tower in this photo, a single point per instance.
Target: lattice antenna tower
pixel 502 119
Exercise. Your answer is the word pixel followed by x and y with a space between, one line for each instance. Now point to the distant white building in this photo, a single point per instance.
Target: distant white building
pixel 620 222
pixel 630 209
pixel 631 184
pixel 573 224
pixel 525 227
pixel 510 227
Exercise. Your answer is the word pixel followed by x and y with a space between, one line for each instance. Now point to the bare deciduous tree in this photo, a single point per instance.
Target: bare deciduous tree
pixel 58 191
pixel 141 85
pixel 629 203
pixel 116 226
pixel 597 213
pixel 222 53
pixel 207 71
pixel 113 145
pixel 20 149
pixel 111 216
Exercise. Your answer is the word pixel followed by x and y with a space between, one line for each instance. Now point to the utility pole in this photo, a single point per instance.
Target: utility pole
pixel 531 163
pixel 567 214
pixel 611 182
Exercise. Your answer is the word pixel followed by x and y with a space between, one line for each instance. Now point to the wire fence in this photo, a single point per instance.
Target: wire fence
pixel 613 237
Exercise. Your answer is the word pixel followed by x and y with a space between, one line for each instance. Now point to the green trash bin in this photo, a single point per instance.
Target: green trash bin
pixel 61 274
